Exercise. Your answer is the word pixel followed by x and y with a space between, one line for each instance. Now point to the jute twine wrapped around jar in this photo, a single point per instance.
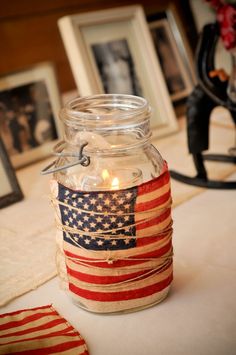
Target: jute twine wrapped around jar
pixel 115 247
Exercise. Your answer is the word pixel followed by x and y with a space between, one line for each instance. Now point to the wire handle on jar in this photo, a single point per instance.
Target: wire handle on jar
pixel 84 160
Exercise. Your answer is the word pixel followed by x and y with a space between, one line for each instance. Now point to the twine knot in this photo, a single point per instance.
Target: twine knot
pixel 109 260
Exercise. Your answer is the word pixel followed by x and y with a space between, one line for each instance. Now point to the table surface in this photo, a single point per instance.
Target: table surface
pixel 199 315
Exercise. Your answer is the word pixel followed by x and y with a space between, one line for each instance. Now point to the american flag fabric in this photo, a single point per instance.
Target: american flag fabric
pixel 117 244
pixel 38 331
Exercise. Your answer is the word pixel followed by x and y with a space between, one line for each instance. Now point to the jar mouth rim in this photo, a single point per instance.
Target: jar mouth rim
pixel 127 106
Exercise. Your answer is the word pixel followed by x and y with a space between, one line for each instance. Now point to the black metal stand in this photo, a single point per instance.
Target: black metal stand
pixel 220 157
pixel 209 93
pixel 201 178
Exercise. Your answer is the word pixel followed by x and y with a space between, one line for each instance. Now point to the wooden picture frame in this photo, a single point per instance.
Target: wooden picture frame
pixel 173 52
pixel 29 105
pixel 10 191
pixel 119 40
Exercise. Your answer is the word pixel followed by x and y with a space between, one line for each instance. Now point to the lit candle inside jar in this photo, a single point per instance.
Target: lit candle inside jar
pixel 115 183
pixel 105 174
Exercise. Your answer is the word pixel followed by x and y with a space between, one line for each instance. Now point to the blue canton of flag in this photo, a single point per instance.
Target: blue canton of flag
pixel 110 214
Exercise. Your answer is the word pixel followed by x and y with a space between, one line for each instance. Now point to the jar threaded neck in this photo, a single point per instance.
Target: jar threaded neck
pixel 124 120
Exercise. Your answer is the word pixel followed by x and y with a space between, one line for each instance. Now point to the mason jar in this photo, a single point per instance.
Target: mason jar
pixel 111 193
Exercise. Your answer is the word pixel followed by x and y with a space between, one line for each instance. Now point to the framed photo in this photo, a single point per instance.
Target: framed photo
pixel 173 52
pixel 29 105
pixel 111 51
pixel 10 191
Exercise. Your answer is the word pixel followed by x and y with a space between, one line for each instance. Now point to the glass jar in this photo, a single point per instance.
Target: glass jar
pixel 112 199
pixel 116 129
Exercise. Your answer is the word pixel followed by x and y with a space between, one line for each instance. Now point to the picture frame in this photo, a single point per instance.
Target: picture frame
pixel 29 105
pixel 173 52
pixel 10 190
pixel 111 51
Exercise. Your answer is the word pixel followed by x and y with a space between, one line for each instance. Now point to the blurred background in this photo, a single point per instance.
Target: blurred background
pixel 29 32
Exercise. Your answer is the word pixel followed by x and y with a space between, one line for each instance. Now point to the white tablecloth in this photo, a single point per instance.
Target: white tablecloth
pixel 198 317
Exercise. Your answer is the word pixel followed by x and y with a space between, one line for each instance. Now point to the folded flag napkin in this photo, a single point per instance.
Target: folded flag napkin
pixel 38 331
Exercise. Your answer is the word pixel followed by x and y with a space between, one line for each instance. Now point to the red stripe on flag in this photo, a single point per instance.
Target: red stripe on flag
pixel 121 295
pixel 159 252
pixel 27 319
pixel 154 184
pixel 154 221
pixel 49 306
pixel 71 334
pixel 44 326
pixel 148 205
pixel 105 280
pixel 52 349
pixel 116 279
pixel 45 338
pixel 121 263
pixel 155 253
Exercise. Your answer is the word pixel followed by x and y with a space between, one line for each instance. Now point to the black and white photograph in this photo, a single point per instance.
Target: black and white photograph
pixel 26 118
pixel 166 56
pixel 116 68
pixel 172 55
pixel 10 191
pixel 112 51
pixel 29 106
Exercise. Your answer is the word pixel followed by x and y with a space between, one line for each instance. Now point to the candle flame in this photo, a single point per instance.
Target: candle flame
pixel 105 174
pixel 107 178
pixel 115 184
